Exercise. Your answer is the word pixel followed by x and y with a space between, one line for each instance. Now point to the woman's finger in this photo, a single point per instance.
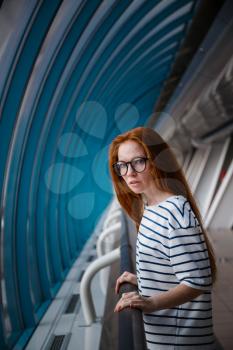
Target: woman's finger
pixel 122 304
pixel 118 306
pixel 125 277
pixel 119 281
pixel 129 295
pixel 117 286
pixel 130 300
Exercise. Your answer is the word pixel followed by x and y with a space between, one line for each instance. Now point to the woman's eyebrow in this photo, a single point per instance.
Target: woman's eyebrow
pixel 141 156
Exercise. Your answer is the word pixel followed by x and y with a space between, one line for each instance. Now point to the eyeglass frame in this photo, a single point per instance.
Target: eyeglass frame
pixel 127 165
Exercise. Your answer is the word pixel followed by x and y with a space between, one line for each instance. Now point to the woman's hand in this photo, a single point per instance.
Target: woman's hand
pixel 166 300
pixel 125 277
pixel 136 301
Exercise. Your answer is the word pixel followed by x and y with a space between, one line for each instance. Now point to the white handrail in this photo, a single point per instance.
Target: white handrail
pixel 85 286
pixel 110 217
pixel 107 232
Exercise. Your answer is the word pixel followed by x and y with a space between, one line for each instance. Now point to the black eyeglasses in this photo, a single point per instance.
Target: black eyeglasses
pixel 138 164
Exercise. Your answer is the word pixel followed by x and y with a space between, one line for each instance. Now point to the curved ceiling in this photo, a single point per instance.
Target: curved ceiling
pixel 76 73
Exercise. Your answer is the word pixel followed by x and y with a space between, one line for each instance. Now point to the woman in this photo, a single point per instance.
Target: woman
pixel 175 264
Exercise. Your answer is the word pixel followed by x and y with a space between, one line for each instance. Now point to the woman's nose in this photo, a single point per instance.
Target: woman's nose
pixel 130 170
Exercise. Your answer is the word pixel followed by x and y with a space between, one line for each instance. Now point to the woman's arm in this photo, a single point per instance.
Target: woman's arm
pixel 175 296
pixel 166 300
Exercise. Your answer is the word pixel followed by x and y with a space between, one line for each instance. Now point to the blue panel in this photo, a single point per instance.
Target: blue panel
pixel 49 141
pixel 19 308
pixel 65 220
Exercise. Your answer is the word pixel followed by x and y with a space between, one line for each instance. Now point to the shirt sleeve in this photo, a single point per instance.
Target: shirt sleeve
pixel 188 252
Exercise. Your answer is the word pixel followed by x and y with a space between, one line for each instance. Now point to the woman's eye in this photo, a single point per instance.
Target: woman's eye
pixel 121 166
pixel 139 161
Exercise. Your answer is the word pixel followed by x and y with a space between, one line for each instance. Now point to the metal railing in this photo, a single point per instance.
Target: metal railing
pixel 131 329
pixel 104 236
pixel 107 255
pixel 130 323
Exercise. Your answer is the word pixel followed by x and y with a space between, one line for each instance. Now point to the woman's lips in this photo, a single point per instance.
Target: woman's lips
pixel 134 183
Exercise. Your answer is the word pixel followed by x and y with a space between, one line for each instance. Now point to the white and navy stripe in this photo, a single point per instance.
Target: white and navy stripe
pixel 170 250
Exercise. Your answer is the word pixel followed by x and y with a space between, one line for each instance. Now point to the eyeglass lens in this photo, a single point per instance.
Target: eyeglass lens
pixel 137 164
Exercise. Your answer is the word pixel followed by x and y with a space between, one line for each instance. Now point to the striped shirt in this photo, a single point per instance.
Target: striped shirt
pixel 170 250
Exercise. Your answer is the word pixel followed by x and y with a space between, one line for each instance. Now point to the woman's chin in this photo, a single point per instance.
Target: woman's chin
pixel 136 190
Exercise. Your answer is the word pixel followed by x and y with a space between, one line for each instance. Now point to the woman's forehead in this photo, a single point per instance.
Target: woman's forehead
pixel 129 149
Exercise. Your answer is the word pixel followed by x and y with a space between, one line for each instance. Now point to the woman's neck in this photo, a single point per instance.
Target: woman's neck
pixel 155 197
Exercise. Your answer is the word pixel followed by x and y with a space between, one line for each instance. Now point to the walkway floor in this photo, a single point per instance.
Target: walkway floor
pixel 222 241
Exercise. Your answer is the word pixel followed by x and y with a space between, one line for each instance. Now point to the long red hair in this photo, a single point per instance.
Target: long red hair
pixel 166 171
